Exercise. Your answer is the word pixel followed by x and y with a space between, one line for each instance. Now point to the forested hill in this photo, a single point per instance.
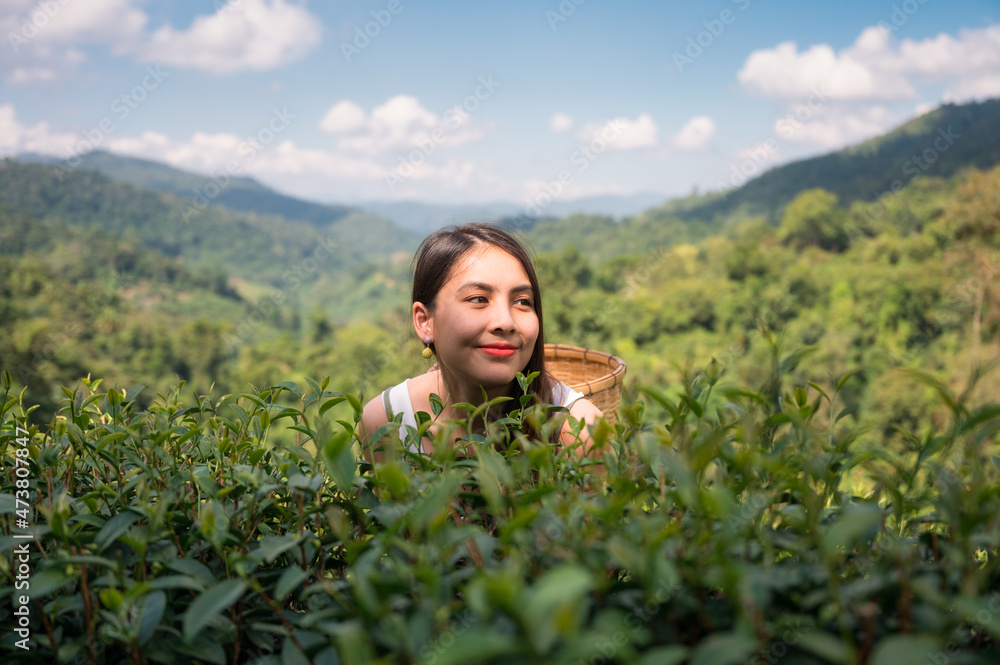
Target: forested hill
pixel 855 175
pixel 938 143
pixel 252 246
pixel 78 301
pixel 236 193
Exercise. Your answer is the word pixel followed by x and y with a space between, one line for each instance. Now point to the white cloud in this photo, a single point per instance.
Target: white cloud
pixel 141 146
pixel 561 122
pixel 301 171
pixel 45 38
pixel 115 22
pixel 216 154
pixel 400 124
pixel 16 138
pixel 876 68
pixel 23 75
pixel 837 98
pixel 343 117
pixel 837 125
pixel 977 89
pixel 971 54
pixel 622 133
pixel 784 73
pixel 70 22
pixel 695 134
pixel 249 34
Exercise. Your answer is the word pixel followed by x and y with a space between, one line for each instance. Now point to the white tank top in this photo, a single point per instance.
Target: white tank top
pixel 397 400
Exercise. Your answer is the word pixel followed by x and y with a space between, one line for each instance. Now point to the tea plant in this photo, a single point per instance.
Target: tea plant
pixel 719 524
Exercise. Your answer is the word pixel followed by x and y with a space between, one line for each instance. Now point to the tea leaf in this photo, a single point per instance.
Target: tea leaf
pixel 209 604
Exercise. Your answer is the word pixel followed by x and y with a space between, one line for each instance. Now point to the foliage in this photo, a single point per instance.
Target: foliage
pixel 287 255
pixel 237 193
pixel 939 144
pixel 813 219
pixel 731 522
pixel 915 285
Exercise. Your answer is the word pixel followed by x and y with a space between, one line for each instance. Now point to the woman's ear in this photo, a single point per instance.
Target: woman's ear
pixel 423 321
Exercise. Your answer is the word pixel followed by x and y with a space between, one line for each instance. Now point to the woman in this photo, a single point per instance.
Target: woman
pixel 477 307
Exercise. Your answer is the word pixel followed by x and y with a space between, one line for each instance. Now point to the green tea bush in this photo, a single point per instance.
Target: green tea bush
pixel 722 524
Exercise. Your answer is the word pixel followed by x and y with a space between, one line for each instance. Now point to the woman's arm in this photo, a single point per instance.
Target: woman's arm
pixel 372 418
pixel 584 411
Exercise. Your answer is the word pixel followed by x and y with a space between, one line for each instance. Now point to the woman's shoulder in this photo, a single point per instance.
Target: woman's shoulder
pixel 373 415
pixel 579 406
pixel 376 410
pixel 562 394
pixel 376 413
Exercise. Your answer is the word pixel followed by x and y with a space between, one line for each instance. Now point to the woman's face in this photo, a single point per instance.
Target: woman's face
pixel 484 324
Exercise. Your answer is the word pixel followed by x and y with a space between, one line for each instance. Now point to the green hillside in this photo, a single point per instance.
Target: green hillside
pixel 912 282
pixel 262 251
pixel 939 143
pixel 862 173
pixel 237 193
pixel 75 302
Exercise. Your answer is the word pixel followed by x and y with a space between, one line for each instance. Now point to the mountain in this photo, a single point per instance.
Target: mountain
pixel 939 143
pixel 422 218
pixel 236 193
pixel 333 265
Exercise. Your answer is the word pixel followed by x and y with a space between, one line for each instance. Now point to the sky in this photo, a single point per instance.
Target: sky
pixel 486 101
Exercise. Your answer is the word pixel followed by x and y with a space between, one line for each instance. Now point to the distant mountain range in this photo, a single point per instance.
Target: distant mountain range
pixel 248 195
pixel 239 193
pixel 421 218
pixel 939 143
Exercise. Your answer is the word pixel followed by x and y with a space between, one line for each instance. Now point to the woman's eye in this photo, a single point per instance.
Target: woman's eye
pixel 478 300
pixel 526 302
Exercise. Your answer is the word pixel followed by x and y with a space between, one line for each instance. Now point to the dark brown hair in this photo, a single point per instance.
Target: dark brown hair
pixel 438 254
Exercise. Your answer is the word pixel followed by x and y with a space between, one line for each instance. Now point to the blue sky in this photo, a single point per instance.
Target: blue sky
pixel 482 101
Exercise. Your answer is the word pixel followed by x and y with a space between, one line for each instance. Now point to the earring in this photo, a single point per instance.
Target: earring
pixel 427 353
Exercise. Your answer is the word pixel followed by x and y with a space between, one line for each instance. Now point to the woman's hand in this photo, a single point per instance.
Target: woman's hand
pixel 584 411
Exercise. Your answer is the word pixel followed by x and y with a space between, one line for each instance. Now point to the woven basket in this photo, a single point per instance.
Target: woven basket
pixel 598 375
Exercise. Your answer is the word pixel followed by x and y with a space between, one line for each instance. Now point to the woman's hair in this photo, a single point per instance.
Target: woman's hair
pixel 438 254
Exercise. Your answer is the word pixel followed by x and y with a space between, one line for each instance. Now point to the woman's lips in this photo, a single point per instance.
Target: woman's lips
pixel 499 350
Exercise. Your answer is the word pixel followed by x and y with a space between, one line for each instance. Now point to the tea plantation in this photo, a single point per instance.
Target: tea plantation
pixel 721 524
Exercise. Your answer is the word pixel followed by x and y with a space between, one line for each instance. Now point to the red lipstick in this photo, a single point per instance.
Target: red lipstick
pixel 498 350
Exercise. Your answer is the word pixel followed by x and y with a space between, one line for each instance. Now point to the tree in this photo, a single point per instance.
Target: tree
pixel 813 218
pixel 975 209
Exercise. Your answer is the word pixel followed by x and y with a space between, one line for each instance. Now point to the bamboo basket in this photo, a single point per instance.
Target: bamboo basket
pixel 598 375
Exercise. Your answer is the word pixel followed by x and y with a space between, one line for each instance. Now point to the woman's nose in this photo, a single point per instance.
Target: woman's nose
pixel 502 318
